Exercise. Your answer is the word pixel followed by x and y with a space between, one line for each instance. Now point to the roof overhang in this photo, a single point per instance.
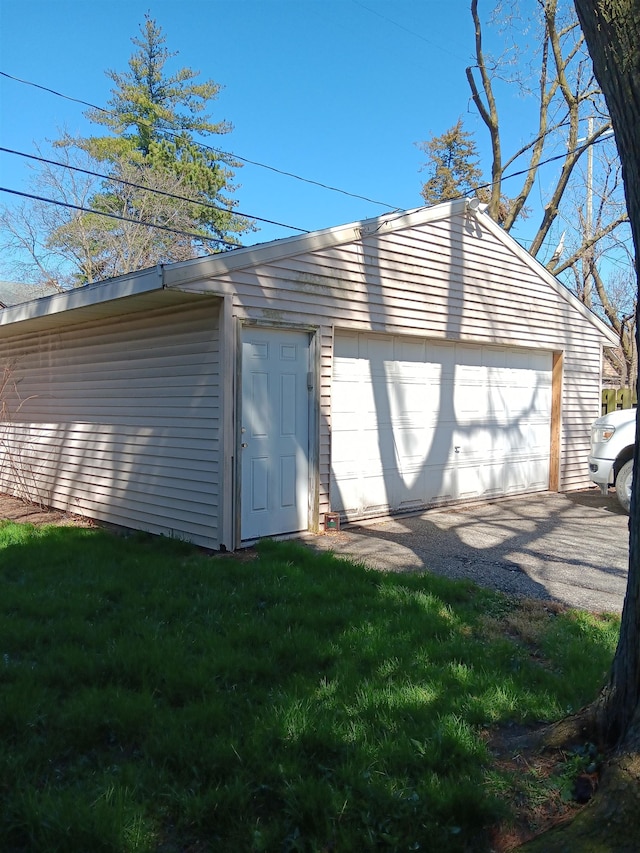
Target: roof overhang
pixel 91 295
pixel 142 289
pixel 199 269
pixel 550 279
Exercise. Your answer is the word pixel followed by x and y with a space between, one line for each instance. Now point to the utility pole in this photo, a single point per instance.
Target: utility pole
pixel 587 259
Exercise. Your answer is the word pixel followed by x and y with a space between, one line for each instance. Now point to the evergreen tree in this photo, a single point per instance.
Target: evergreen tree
pixel 154 118
pixel 452 165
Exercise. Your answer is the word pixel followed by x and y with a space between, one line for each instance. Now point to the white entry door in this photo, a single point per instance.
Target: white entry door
pixel 275 432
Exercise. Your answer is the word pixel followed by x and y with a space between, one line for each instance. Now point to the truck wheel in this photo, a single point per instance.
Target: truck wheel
pixel 623 485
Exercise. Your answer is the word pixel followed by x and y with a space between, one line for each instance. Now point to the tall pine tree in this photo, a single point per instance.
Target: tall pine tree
pixel 452 165
pixel 158 126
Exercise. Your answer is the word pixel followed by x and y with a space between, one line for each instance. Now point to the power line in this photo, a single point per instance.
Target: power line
pixel 219 239
pixel 281 171
pixel 407 30
pixel 51 91
pixel 227 154
pixel 541 163
pixel 148 189
pixel 79 207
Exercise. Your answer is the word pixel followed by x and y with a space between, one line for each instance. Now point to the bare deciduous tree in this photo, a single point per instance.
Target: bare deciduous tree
pixel 64 246
pixel 574 127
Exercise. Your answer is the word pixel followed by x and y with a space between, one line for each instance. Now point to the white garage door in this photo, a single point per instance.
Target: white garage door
pixel 416 422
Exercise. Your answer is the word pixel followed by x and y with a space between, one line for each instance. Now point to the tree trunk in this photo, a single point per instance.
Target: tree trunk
pixel 612 32
pixel 609 822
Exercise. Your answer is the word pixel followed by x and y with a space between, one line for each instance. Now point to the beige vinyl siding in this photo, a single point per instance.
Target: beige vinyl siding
pixel 120 419
pixel 449 279
pixel 128 391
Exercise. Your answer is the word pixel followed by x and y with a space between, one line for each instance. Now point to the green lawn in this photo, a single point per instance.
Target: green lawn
pixel 154 698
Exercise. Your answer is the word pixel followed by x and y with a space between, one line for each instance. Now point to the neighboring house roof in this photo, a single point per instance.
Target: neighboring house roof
pixel 17 292
pixel 180 274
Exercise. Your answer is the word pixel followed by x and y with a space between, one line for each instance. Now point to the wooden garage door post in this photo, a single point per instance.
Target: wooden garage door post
pixel 556 421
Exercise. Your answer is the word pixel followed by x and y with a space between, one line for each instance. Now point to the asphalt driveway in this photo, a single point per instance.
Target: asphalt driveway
pixel 571 548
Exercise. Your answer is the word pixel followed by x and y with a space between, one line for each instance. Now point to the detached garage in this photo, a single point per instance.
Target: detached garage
pixel 380 367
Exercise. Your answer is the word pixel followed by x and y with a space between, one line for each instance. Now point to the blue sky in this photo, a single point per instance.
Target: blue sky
pixel 337 91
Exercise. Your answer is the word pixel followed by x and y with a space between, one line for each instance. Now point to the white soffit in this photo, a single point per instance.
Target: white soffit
pixel 83 297
pixel 100 302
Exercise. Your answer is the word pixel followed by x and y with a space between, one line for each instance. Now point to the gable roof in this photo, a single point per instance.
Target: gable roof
pixel 213 265
pixel 176 275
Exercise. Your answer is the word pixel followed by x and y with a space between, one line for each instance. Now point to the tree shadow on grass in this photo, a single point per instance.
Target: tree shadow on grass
pixel 295 701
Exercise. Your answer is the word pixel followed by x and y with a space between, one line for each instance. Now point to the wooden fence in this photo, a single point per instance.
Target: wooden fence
pixel 618 398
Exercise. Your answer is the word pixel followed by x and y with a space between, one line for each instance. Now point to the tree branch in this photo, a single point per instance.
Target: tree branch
pixel 489 114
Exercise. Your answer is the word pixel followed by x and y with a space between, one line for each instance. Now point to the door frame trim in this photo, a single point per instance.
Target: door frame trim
pixel 313 490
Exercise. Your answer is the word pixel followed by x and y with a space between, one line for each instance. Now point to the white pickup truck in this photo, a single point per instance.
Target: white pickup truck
pixel 611 459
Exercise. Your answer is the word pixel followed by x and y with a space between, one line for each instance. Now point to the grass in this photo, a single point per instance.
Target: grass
pixel 153 698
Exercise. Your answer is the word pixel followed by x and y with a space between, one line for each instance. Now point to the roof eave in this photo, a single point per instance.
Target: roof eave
pixel 133 284
pixel 550 279
pixel 198 269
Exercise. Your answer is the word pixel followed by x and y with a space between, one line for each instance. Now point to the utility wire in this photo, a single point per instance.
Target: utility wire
pixel 218 239
pixel 281 171
pixel 541 163
pixel 227 154
pixel 51 91
pixel 147 189
pixel 407 30
pixel 259 218
pixel 79 207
